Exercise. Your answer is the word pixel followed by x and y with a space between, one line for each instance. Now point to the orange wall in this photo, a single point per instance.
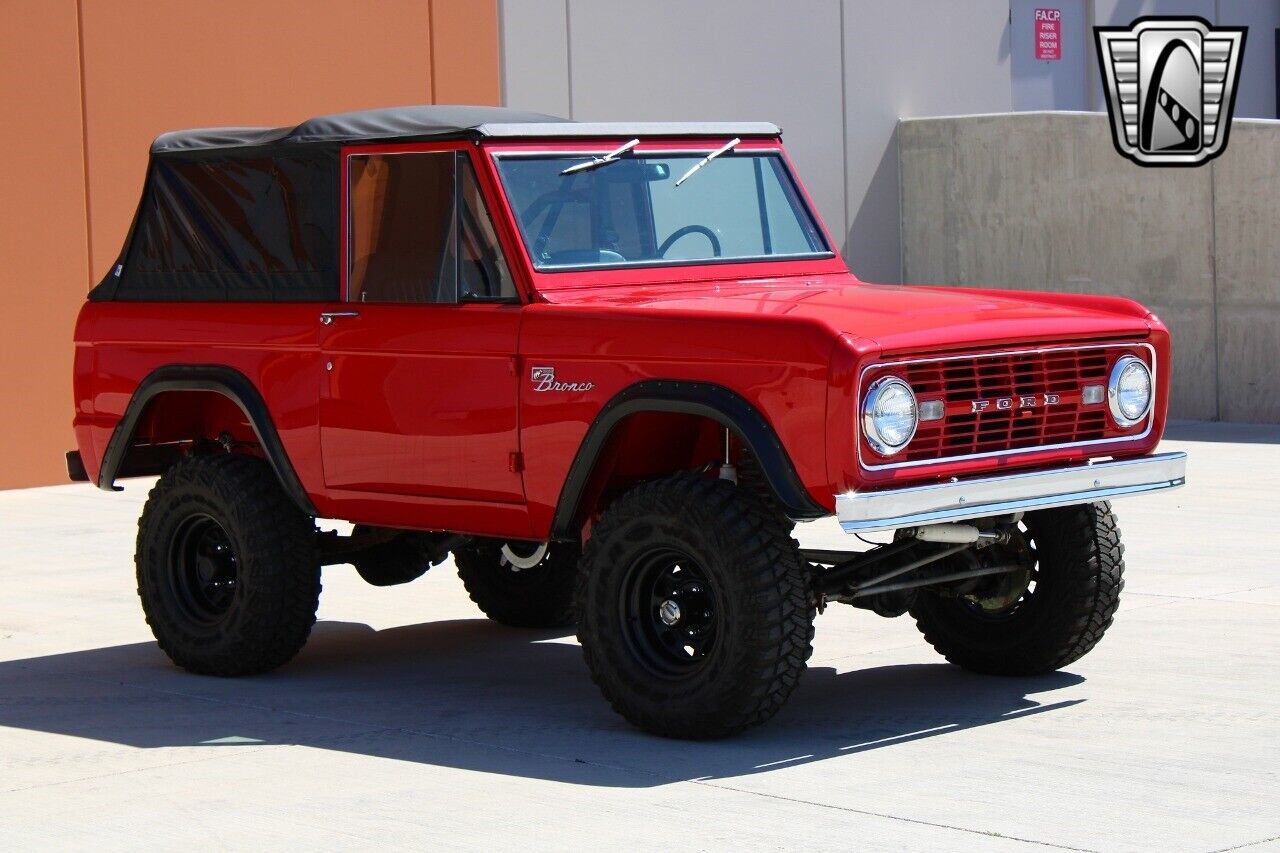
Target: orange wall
pixel 156 65
pixel 43 256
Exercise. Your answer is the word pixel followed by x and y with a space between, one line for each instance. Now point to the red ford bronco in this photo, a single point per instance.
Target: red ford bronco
pixel 608 367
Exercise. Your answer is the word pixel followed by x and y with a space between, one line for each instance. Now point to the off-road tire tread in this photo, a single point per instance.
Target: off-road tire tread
pixel 775 583
pixel 751 480
pixel 545 605
pixel 1082 542
pixel 277 545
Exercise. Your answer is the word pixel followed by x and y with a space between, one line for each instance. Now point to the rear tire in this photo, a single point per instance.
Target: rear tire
pixel 540 596
pixel 1076 565
pixel 695 609
pixel 227 567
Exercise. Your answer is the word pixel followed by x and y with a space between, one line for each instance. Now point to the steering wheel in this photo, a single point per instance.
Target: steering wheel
pixel 690 229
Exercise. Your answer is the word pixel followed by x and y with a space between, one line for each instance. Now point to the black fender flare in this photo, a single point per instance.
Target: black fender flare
pixel 705 399
pixel 219 379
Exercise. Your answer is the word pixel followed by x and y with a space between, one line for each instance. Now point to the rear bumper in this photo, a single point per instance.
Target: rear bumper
pixel 75 467
pixel 986 496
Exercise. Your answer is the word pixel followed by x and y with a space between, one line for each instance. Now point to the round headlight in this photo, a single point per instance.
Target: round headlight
pixel 1129 391
pixel 889 415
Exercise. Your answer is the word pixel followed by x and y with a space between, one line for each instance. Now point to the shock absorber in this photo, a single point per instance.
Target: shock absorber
pixel 728 471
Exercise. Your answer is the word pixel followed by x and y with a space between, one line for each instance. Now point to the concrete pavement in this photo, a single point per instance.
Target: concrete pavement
pixel 410 721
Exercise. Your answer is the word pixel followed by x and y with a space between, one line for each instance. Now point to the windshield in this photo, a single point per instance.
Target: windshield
pixel 619 210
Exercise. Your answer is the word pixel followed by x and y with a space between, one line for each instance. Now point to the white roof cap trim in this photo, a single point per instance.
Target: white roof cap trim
pixel 525 130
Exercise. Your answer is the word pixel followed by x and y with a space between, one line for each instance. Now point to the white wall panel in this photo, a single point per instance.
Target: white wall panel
pixel 1257 95
pixel 535 55
pixel 719 59
pixel 1052 84
pixel 902 60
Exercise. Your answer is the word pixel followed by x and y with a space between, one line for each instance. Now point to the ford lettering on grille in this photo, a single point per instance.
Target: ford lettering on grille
pixel 1023 402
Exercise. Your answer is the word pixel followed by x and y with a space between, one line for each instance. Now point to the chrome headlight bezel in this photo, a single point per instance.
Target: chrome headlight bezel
pixel 1123 365
pixel 871 430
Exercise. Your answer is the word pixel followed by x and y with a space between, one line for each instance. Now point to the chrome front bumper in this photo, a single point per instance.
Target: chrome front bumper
pixel 977 498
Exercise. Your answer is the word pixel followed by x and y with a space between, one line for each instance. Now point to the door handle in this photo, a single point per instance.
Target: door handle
pixel 327 317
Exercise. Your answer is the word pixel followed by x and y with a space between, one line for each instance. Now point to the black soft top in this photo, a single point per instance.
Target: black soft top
pixel 391 124
pixel 252 213
pixel 416 124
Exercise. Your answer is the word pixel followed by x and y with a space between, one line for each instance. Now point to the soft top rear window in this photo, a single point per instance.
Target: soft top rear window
pixel 234 228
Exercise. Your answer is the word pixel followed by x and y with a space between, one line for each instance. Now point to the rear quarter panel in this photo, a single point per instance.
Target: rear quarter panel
pixel 273 344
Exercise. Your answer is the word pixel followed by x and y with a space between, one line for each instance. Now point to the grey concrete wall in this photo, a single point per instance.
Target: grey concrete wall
pixel 1247 234
pixel 1042 201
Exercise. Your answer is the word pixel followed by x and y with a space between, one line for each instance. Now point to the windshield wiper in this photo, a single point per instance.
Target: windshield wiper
pixel 724 149
pixel 612 157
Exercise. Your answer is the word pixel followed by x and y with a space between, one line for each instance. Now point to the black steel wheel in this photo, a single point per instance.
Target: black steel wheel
pixel 227 566
pixel 695 609
pixel 669 613
pixel 1049 613
pixel 204 569
pixel 521 584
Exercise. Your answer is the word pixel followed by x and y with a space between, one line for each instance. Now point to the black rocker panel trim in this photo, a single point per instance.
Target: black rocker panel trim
pixel 220 379
pixel 692 398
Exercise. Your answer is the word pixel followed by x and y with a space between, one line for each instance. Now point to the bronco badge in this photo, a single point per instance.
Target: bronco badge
pixel 544 379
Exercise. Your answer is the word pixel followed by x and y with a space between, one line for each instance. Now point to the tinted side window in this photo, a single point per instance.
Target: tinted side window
pixel 482 267
pixel 401 228
pixel 239 228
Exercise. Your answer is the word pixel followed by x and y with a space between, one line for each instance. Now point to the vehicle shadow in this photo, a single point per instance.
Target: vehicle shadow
pixel 1221 431
pixel 474 695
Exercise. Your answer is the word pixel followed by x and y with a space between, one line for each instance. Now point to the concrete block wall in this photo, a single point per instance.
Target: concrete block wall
pixel 1042 201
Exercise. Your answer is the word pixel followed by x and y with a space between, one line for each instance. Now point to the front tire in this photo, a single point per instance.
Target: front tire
pixel 696 616
pixel 1074 574
pixel 227 566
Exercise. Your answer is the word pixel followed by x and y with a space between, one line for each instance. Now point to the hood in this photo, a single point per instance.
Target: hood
pixel 897 317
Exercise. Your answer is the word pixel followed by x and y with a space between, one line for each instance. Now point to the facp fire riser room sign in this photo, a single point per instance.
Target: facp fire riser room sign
pixel 1049 34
